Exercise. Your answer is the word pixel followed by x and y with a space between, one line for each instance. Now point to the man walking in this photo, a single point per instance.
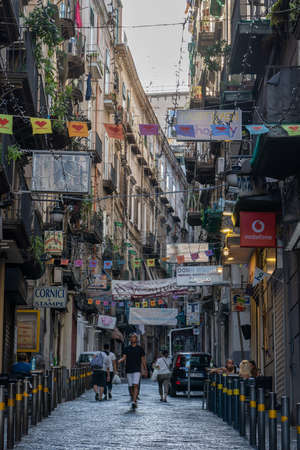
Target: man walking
pixel 112 365
pixel 100 366
pixel 134 356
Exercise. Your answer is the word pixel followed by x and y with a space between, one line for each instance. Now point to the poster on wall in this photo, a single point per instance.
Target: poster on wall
pixel 53 242
pixel 239 300
pixel 28 330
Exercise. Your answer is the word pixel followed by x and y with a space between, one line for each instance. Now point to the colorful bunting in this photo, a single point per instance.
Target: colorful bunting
pixel 220 130
pixel 93 263
pixel 292 130
pixel 78 129
pixel 160 302
pixel 137 263
pixel 209 253
pixel 114 131
pixel 148 129
pixel 185 130
pixel 78 262
pixel 153 303
pixel 118 224
pixel 90 301
pixel 151 262
pixel 105 303
pixel 165 258
pixel 194 256
pixel 64 262
pixel 98 302
pixel 107 264
pixel 145 304
pixel 180 259
pixel 78 20
pixel 40 126
pixel 137 305
pixel 257 129
pixel 6 124
pixel 132 252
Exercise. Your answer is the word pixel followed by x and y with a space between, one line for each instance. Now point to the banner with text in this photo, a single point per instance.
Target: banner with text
pixel 153 316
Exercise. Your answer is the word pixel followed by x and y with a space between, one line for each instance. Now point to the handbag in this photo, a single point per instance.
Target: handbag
pixel 116 379
pixel 154 375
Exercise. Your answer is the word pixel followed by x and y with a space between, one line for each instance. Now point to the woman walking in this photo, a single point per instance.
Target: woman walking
pixel 162 366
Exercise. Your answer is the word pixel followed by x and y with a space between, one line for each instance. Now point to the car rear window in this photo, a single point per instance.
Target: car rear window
pixel 86 358
pixel 197 361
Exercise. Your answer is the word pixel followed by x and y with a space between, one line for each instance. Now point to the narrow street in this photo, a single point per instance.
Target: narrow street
pixel 86 424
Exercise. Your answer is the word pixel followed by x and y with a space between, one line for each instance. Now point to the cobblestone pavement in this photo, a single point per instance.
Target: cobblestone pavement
pixel 86 424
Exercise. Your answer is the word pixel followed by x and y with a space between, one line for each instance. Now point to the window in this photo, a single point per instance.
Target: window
pixel 106 147
pixel 107 72
pixel 123 91
pixel 150 144
pixel 171 132
pixel 92 17
pixel 128 100
pixel 117 34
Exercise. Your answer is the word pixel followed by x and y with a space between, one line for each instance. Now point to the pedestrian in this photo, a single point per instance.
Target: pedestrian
pixel 245 369
pixel 112 365
pixel 134 356
pixel 162 366
pixel 22 367
pixel 101 374
pixel 255 372
pixel 229 369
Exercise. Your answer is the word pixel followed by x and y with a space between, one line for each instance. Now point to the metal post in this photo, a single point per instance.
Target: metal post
pixel 252 413
pixel 189 382
pixel 285 423
pixel 214 393
pixel 272 422
pixel 236 394
pixel 229 397
pixel 224 402
pixel 242 415
pixel 40 397
pixel 298 426
pixel 2 416
pixel 46 397
pixel 18 418
pixel 261 419
pixel 11 416
pixel 219 393
pixel 34 400
pixel 25 405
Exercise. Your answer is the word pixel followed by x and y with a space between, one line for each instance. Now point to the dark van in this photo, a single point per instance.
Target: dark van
pixel 196 363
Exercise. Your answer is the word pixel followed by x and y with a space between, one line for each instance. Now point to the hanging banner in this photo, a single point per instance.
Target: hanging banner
pixel 127 289
pixel 211 125
pixel 240 301
pixel 180 259
pixel 106 322
pixel 199 275
pixel 257 129
pixel 114 131
pixel 40 126
pixel 257 229
pixel 153 316
pixel 151 262
pixel 107 264
pixel 6 124
pixel 78 129
pixel 173 250
pixel 292 130
pixel 185 130
pixel 148 129
pixel 53 242
pixel 259 275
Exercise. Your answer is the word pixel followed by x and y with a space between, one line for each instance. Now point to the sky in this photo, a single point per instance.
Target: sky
pixel 156 50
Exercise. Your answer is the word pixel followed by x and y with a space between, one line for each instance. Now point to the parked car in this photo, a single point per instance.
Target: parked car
pixel 86 357
pixel 197 363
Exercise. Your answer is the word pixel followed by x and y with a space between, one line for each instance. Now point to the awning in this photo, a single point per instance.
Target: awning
pixel 116 334
pixel 266 202
pixel 276 154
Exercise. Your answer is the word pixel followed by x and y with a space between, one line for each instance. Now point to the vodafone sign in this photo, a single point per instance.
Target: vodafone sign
pixel 257 229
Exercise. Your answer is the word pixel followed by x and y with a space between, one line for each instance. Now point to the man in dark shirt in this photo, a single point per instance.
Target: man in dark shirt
pixel 22 367
pixel 134 356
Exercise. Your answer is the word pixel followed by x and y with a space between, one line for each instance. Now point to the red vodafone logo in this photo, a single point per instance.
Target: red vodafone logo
pixel 257 229
pixel 258 226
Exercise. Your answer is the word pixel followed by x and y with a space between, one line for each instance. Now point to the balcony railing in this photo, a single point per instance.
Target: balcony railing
pixel 76 51
pixel 9 21
pixel 109 178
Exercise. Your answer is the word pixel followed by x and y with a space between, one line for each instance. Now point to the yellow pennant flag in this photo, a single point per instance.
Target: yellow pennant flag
pixel 153 303
pixel 40 126
pixel 90 301
pixel 166 258
pixel 78 129
pixel 145 304
pixel 151 262
pixel 137 305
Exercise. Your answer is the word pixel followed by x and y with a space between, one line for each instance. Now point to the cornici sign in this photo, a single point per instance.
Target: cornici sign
pixel 50 297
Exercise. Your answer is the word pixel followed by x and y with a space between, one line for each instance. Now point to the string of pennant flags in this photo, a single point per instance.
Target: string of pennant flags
pixel 75 128
pixel 145 303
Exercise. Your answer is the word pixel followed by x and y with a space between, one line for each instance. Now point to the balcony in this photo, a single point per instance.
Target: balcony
pixel 95 64
pixel 202 171
pixel 110 102
pixel 239 99
pixel 75 56
pixel 67 28
pixel 148 242
pixel 94 232
pixel 98 149
pixel 109 178
pixel 246 30
pixel 21 72
pixel 9 21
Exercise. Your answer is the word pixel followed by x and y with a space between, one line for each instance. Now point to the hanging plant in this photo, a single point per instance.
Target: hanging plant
pixel 13 153
pixel 213 52
pixel 37 247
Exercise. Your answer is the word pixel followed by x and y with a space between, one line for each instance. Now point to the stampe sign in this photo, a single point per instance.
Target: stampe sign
pixel 257 229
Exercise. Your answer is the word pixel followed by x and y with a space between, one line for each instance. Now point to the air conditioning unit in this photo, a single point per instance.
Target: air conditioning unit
pixel 220 165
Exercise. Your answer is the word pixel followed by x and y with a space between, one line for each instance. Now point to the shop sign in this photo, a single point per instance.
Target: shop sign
pixel 199 275
pixel 257 229
pixel 50 297
pixel 53 242
pixel 28 330
pixel 239 300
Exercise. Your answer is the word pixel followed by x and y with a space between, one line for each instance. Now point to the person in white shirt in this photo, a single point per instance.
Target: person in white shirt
pixel 112 366
pixel 162 366
pixel 101 374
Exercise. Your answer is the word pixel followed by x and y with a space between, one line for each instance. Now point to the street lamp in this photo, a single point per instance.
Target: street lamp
pixel 57 214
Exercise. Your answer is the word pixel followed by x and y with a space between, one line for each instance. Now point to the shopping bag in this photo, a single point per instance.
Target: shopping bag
pixel 116 379
pixel 154 375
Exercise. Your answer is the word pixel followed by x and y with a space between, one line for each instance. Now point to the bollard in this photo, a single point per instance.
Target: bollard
pixel 224 398
pixel 11 416
pixel 18 416
pixel 229 398
pixel 242 412
pixel 55 388
pixel 40 398
pixel 214 393
pixel 272 422
pixel 46 397
pixel 252 439
pixel 25 405
pixel 298 426
pixel 34 399
pixel 219 394
pixel 236 394
pixel 285 423
pixel 261 419
pixel 2 416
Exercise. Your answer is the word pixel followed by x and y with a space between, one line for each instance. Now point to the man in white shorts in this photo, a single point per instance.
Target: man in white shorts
pixel 134 356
